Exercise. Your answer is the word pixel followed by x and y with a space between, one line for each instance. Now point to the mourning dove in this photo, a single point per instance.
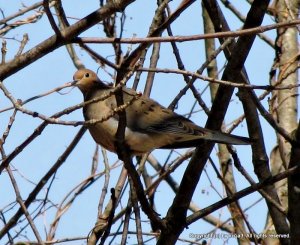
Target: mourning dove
pixel 149 125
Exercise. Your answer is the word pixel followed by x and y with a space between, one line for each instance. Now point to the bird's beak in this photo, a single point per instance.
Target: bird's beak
pixel 74 83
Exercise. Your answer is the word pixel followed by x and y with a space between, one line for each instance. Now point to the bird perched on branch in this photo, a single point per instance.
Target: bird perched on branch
pixel 149 125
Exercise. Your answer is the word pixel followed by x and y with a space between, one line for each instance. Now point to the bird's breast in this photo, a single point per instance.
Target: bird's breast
pixel 104 132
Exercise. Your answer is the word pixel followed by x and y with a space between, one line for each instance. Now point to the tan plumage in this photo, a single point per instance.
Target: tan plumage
pixel 148 124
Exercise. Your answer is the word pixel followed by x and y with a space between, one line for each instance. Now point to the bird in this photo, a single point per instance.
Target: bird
pixel 149 125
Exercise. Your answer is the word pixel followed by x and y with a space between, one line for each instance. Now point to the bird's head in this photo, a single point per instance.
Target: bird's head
pixel 86 80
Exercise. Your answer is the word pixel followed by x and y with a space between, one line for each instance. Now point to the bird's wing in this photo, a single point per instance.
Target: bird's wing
pixel 143 112
pixel 148 115
pixel 145 115
pixel 175 124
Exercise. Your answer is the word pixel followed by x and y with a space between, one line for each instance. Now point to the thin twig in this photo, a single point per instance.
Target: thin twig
pixel 21 12
pixel 31 19
pixel 22 46
pixel 219 81
pixel 23 102
pixel 23 206
pixel 67 201
pixel 199 71
pixel 126 222
pixel 137 214
pixel 240 168
pixel 240 212
pixel 7 130
pixel 226 34
pixel 53 119
pixel 105 185
pixel 32 196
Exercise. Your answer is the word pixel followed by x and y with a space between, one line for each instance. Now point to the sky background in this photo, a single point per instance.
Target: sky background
pixel 56 68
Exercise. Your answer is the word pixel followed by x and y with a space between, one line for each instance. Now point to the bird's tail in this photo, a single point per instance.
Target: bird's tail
pixel 224 138
pixel 210 135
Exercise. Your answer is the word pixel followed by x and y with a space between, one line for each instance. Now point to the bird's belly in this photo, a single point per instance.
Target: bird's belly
pixel 139 143
pixel 104 134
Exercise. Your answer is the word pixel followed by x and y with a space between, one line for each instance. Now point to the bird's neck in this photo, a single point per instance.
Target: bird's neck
pixel 94 88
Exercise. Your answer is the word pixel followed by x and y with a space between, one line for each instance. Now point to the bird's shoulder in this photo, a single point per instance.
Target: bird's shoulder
pixel 147 114
pixel 145 105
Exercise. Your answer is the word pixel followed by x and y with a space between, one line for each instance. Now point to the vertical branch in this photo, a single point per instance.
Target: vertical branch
pixel 174 186
pixel 126 222
pixel 63 24
pixel 134 201
pixel 6 132
pixel 95 160
pixel 287 48
pixel 153 64
pixel 102 219
pixel 51 19
pixel 3 51
pixel 157 21
pixel 109 27
pixel 105 186
pixel 293 193
pixel 110 217
pixel 223 154
pixel 189 81
pixel 23 43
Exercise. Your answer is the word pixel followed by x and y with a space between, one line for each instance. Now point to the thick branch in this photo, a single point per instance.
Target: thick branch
pixel 55 42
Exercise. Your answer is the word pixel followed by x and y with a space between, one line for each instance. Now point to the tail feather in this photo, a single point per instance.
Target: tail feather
pixel 224 138
pixel 215 136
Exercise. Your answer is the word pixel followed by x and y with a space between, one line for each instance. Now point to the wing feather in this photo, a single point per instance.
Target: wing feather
pixel 146 116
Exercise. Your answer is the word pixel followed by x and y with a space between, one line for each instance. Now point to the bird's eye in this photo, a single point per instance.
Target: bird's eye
pixel 87 74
